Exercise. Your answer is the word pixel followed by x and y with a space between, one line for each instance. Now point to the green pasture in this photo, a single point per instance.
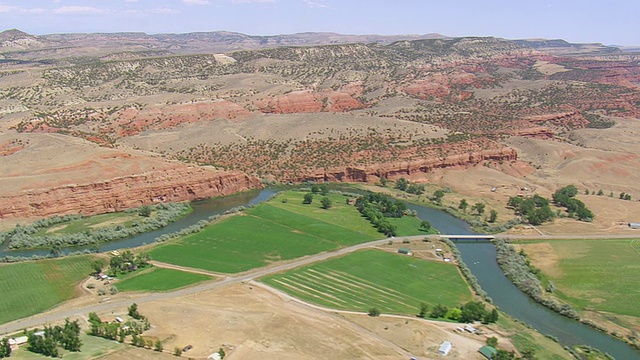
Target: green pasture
pixel 159 279
pixel 390 282
pixel 269 232
pixel 32 287
pixel 600 275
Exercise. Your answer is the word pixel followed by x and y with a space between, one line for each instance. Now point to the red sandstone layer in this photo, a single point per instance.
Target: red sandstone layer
pixel 180 183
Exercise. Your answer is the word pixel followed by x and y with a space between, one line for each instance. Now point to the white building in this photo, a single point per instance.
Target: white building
pixel 445 347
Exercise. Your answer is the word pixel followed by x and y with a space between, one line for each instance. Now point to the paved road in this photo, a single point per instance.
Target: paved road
pixel 58 315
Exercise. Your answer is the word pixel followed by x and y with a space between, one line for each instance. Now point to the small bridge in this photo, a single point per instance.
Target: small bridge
pixel 468 237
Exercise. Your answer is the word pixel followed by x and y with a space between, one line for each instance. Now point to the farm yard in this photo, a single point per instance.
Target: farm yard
pixel 281 229
pixel 390 282
pixel 158 279
pixel 32 287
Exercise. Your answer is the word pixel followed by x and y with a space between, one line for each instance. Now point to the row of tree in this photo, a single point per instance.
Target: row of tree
pixel 47 341
pixel 565 197
pixel 377 208
pixel 466 313
pixel 34 235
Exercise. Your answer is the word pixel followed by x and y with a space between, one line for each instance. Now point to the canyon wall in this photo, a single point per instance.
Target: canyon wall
pixel 180 183
pixel 395 170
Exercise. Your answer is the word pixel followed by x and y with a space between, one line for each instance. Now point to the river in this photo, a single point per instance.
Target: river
pixel 480 257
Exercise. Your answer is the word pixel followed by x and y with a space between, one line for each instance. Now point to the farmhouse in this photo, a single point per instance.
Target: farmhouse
pixel 488 351
pixel 634 225
pixel 405 251
pixel 445 347
pixel 16 342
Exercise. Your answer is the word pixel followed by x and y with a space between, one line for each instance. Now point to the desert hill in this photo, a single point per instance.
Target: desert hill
pixel 317 106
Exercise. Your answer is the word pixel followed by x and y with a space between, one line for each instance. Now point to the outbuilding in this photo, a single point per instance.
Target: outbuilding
pixel 445 347
pixel 405 251
pixel 488 351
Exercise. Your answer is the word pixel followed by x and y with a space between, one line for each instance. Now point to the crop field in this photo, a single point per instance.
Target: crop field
pixel 600 275
pixel 269 232
pixel 390 282
pixel 32 287
pixel 158 279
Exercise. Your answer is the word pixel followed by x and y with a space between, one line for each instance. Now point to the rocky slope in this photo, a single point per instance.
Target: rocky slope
pixel 181 183
pixel 395 170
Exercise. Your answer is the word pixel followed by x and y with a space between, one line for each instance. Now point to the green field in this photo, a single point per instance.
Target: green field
pixel 600 275
pixel 32 287
pixel 158 279
pixel 391 282
pixel 280 229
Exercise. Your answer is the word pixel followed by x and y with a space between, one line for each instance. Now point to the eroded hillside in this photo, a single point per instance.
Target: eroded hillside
pixel 346 112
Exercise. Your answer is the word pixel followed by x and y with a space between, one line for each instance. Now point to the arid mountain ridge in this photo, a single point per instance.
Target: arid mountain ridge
pixel 300 107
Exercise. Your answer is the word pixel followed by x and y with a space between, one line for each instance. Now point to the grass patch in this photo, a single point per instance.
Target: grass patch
pixel 598 275
pixel 92 348
pixel 159 279
pixel 281 229
pixel 527 338
pixel 392 283
pixel 32 287
pixel 93 222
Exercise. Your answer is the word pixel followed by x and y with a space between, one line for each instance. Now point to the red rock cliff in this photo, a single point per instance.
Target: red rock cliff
pixel 180 183
pixel 394 170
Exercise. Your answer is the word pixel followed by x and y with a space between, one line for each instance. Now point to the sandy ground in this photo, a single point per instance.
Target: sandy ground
pixel 252 321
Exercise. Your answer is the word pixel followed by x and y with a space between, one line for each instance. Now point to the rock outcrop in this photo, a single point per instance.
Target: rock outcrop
pixel 180 183
pixel 395 170
pixel 309 102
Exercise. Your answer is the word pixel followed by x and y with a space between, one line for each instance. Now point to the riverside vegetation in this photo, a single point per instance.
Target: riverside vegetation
pixel 75 230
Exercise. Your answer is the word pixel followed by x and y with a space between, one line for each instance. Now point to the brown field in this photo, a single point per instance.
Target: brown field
pixel 251 321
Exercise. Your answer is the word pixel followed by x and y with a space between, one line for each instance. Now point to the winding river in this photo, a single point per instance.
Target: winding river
pixel 480 257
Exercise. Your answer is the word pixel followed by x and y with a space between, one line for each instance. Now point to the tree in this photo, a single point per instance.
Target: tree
pixel 493 216
pixel 504 355
pixel 326 202
pixel 600 192
pixel 222 353
pixel 115 264
pixel 383 182
pixel 133 312
pixel 177 351
pixel 425 225
pixel 454 314
pixel 145 211
pixel 492 341
pixel 308 198
pixel 424 308
pixel 490 317
pixel 374 312
pixel 324 189
pixel 5 348
pixel 98 266
pixel 479 208
pixel 437 196
pixel 463 205
pixel 439 311
pixel 402 184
